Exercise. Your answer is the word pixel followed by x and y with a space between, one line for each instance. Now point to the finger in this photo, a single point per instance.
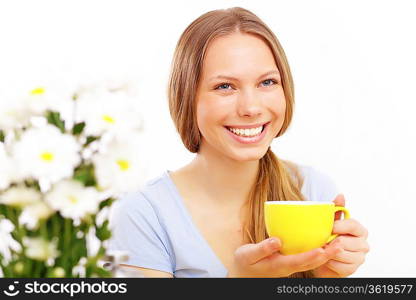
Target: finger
pixel 350 257
pixel 349 226
pixel 307 260
pixel 340 268
pixel 251 253
pixel 339 201
pixel 289 264
pixel 297 262
pixel 331 250
pixel 353 244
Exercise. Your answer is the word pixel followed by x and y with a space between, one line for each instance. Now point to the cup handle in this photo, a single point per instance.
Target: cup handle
pixel 346 216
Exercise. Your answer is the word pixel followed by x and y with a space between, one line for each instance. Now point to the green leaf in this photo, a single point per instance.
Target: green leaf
pixel 54 118
pixel 2 136
pixel 78 128
pixel 91 139
pixel 106 202
pixel 85 174
pixel 102 232
pixel 101 252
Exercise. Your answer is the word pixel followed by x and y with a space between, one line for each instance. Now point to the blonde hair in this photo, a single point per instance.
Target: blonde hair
pixel 276 179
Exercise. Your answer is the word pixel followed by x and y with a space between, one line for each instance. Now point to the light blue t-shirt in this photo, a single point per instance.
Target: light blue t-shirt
pixel 155 228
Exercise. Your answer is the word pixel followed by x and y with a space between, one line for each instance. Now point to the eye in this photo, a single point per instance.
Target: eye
pixel 269 82
pixel 223 86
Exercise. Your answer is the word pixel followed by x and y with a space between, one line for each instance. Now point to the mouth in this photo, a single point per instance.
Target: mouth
pixel 251 135
pixel 248 131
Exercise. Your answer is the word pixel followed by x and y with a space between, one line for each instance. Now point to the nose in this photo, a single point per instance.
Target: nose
pixel 248 104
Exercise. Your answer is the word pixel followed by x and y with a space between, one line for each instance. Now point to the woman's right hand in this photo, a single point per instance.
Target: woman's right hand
pixel 264 259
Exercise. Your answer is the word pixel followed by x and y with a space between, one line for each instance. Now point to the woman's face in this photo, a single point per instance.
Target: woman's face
pixel 240 90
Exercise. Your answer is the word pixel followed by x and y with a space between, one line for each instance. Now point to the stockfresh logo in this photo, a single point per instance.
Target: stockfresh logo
pixel 12 290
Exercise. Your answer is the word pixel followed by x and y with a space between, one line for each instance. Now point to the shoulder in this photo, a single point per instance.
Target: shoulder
pixel 146 201
pixel 137 220
pixel 313 175
pixel 317 185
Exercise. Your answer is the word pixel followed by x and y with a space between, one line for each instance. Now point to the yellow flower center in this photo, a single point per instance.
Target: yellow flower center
pixel 73 199
pixel 123 164
pixel 37 91
pixel 47 156
pixel 108 119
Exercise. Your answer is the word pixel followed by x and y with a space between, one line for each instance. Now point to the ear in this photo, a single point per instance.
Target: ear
pixel 339 201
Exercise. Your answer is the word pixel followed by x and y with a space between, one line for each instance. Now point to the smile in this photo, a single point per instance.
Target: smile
pixel 246 132
pixel 250 135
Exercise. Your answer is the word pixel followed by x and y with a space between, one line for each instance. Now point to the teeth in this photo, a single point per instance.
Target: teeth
pixel 246 132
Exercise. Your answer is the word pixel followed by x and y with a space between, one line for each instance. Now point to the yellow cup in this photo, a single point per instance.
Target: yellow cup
pixel 301 225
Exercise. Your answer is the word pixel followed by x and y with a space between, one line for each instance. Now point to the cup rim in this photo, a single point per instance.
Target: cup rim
pixel 299 202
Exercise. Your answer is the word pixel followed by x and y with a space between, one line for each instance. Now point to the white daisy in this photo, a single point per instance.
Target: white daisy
pixel 24 100
pixel 20 196
pixel 80 268
pixel 93 243
pixel 7 241
pixel 6 168
pixel 33 213
pixel 40 249
pixel 41 98
pixel 121 166
pixel 13 114
pixel 73 200
pixel 45 153
pixel 104 111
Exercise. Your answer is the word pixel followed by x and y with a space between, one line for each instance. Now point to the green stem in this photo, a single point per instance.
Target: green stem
pixel 18 233
pixel 56 228
pixel 38 269
pixel 67 241
pixel 44 229
pixel 28 269
pixel 56 233
pixel 7 269
pixel 10 214
pixel 45 236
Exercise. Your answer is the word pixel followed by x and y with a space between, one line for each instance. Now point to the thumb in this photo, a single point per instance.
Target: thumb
pixel 339 201
pixel 251 253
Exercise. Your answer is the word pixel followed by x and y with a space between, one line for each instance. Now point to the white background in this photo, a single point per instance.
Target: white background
pixel 353 64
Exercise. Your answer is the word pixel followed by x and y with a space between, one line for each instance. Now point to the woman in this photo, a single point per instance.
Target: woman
pixel 230 94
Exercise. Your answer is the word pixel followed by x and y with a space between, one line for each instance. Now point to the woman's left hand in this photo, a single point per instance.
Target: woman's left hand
pixel 352 238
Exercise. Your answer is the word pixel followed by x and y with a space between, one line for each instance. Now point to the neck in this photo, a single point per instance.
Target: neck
pixel 222 179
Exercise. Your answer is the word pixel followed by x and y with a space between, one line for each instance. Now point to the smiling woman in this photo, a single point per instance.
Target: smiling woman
pixel 230 94
pixel 248 99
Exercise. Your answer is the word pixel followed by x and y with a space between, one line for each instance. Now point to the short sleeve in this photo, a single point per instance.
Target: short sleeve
pixel 317 185
pixel 137 230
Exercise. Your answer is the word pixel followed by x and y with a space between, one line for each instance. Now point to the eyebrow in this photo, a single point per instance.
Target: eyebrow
pixel 272 72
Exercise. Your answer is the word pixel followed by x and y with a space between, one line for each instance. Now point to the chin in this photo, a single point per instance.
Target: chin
pixel 249 155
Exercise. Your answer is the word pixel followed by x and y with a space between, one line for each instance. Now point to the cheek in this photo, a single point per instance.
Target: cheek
pixel 211 113
pixel 277 106
pixel 282 109
pixel 276 103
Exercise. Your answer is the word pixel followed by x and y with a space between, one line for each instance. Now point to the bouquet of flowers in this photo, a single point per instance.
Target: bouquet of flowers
pixel 65 156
